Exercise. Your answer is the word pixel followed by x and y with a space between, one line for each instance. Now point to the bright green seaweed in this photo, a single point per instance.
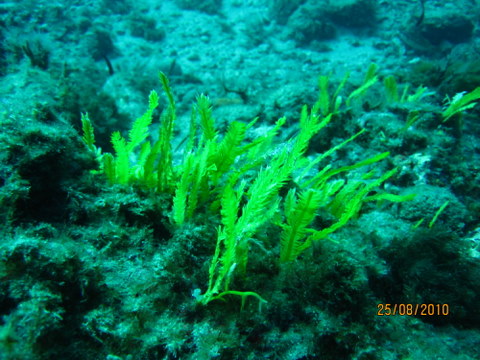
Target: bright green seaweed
pixel 216 174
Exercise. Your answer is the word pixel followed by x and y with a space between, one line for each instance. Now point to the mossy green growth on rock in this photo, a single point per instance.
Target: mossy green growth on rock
pixel 240 182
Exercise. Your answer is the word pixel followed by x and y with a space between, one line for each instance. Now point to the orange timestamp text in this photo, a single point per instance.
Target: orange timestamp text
pixel 413 309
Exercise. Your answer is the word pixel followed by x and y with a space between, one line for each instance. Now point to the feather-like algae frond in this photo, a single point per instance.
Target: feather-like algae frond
pixel 165 181
pixel 180 198
pixel 121 158
pixel 299 215
pixel 140 128
pixel 229 148
pixel 88 134
pixel 207 123
pixel 461 102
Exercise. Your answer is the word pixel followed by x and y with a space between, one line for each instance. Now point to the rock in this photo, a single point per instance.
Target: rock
pixel 455 28
pixel 352 13
pixel 309 23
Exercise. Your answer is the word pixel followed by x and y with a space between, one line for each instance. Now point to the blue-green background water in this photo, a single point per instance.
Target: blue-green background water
pixel 94 270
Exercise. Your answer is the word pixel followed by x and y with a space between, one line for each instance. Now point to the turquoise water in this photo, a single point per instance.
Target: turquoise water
pixel 302 183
